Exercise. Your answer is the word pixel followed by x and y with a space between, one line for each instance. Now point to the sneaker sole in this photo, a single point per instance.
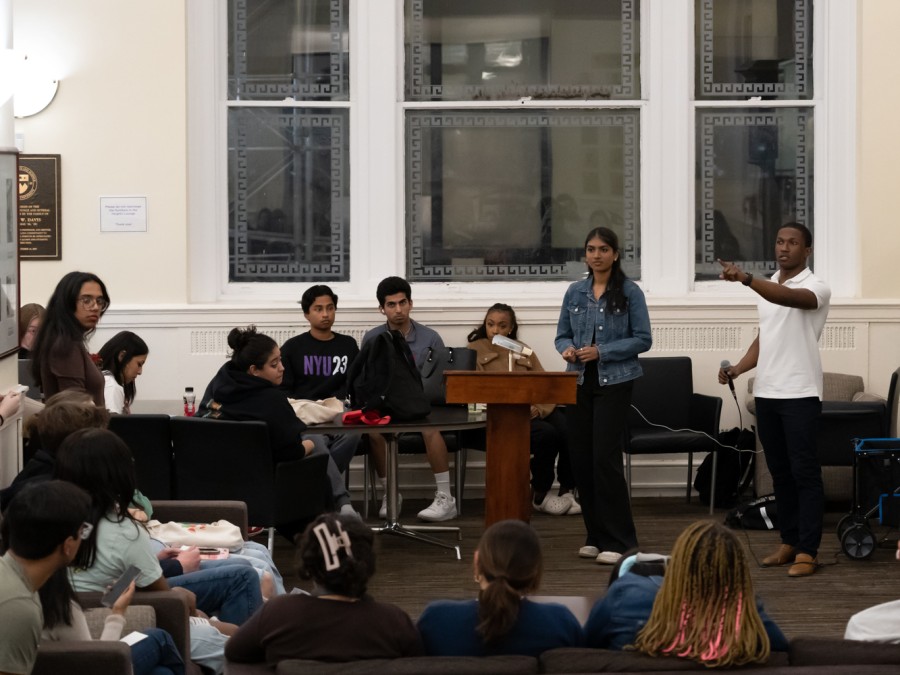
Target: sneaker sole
pixel 438 519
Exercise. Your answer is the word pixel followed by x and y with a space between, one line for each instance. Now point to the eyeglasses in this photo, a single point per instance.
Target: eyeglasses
pixel 85 531
pixel 89 301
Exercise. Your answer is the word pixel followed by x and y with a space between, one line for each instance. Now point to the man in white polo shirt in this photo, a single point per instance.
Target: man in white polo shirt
pixel 792 307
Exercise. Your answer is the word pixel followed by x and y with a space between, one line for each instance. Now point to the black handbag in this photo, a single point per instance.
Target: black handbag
pixel 439 361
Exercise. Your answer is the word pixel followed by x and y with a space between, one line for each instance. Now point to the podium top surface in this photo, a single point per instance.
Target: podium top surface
pixel 469 386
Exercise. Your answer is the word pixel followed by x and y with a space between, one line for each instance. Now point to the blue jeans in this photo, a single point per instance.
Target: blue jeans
pixel 787 430
pixel 230 592
pixel 156 654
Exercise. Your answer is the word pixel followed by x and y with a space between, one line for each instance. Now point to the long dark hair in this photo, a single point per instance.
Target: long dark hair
pixel 615 287
pixel 59 323
pixel 511 562
pixel 57 596
pixel 98 461
pixel 480 333
pixel 249 348
pixel 129 345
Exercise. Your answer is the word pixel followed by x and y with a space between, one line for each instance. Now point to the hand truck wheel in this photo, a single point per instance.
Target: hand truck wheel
pixel 858 542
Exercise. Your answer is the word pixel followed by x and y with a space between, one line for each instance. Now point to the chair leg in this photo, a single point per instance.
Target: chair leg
pixel 271 542
pixel 459 466
pixel 690 475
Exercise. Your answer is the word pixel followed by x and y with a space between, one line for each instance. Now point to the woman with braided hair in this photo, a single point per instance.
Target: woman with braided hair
pixel 704 608
pixel 508 565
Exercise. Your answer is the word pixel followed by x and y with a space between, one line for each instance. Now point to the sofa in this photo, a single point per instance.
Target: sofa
pixel 163 609
pixel 847 412
pixel 805 655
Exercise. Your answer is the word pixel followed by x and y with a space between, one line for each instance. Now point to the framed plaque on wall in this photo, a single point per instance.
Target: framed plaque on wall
pixel 40 237
pixel 9 253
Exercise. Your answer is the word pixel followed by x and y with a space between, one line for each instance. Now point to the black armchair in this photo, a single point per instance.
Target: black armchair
pixel 668 417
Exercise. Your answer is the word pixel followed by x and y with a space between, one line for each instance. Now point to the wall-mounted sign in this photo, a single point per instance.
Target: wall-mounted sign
pixel 123 214
pixel 40 235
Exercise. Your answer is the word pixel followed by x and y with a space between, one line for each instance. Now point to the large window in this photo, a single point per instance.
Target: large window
pixel 478 141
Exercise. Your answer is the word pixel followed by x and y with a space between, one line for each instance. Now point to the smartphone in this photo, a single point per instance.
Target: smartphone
pixel 109 598
pixel 205 550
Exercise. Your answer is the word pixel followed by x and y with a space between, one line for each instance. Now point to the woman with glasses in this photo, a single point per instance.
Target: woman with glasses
pixel 60 359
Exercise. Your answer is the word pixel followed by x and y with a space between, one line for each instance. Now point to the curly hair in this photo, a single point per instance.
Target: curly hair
pixel 480 333
pixel 705 609
pixel 356 565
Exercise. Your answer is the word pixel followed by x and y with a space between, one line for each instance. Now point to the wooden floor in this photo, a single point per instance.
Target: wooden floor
pixel 411 574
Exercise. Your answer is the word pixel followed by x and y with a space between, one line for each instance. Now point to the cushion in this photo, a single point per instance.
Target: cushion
pixel 809 651
pixel 584 660
pixel 137 617
pixel 433 665
pixel 865 396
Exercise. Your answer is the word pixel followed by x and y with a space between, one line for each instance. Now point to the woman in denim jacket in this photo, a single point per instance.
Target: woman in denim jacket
pixel 603 326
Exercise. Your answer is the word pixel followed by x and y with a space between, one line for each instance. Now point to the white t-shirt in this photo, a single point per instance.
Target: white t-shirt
pixel 880 623
pixel 114 394
pixel 789 364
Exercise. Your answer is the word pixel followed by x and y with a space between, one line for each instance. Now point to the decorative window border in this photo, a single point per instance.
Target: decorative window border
pixel 419 91
pixel 708 123
pixel 268 87
pixel 802 46
pixel 420 122
pixel 335 270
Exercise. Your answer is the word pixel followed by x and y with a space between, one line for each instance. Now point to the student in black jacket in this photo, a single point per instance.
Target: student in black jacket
pixel 247 388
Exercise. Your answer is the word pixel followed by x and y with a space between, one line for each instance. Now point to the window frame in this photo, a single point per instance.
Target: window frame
pixel 377 114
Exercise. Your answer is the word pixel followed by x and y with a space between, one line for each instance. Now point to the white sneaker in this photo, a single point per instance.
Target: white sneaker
pixel 608 558
pixel 382 512
pixel 574 507
pixel 442 508
pixel 588 552
pixel 555 506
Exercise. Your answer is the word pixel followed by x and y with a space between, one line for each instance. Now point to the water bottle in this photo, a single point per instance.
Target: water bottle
pixel 190 402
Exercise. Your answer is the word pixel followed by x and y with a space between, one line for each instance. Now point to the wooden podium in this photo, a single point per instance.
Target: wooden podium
pixel 509 397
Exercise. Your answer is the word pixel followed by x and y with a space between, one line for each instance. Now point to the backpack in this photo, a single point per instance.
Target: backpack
pixel 384 378
pixel 734 469
pixel 760 514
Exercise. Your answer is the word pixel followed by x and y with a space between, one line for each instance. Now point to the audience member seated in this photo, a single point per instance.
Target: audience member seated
pixel 64 413
pixel 60 359
pixel 703 609
pixel 64 620
pixel 122 359
pixel 100 462
pixel 246 388
pixel 879 623
pixel 548 424
pixel 339 622
pixel 42 531
pixel 30 317
pixel 508 565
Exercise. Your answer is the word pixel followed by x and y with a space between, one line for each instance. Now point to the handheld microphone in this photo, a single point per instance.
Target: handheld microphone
pixel 725 365
pixel 512 345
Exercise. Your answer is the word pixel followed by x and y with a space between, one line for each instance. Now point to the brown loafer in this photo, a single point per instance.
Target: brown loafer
pixel 804 565
pixel 784 555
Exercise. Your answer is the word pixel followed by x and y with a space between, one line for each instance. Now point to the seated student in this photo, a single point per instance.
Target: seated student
pixel 879 623
pixel 42 531
pixel 508 565
pixel 100 462
pixel 548 425
pixel 339 622
pixel 703 609
pixel 122 359
pixel 64 413
pixel 64 620
pixel 246 388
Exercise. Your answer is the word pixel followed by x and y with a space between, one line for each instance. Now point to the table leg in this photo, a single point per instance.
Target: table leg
pixel 392 525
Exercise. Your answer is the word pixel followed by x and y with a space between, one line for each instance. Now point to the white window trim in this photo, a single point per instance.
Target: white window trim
pixel 376 160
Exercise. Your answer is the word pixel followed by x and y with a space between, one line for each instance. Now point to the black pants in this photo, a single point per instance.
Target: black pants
pixel 596 427
pixel 787 430
pixel 549 439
